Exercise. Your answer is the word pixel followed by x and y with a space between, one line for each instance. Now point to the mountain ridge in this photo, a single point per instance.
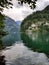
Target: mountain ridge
pixel 13 32
pixel 35 17
pixel 35 30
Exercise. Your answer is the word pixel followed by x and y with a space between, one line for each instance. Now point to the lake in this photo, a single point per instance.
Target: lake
pixel 20 53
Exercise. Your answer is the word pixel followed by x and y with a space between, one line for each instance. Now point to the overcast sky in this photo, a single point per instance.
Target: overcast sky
pixel 20 12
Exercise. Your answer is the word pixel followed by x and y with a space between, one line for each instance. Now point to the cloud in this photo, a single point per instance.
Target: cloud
pixel 41 4
pixel 13 13
pixel 19 12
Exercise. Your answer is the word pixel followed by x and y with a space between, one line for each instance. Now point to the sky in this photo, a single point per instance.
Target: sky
pixel 18 12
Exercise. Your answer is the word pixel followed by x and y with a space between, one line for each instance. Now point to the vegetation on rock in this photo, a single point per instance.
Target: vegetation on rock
pixel 40 18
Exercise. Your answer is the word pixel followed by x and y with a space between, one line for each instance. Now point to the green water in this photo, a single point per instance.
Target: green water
pixel 37 41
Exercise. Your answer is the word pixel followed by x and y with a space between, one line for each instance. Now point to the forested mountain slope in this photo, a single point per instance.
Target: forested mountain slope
pixel 39 18
pixel 35 31
pixel 12 29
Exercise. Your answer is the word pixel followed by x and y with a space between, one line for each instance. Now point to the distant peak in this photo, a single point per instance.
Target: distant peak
pixel 18 22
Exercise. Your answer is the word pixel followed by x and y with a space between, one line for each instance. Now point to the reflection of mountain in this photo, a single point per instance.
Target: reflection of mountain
pixel 13 29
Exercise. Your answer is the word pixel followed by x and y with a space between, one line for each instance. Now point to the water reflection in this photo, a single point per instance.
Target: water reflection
pixel 21 55
pixel 37 41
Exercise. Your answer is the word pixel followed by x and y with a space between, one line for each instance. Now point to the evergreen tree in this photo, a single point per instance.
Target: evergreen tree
pixel 2 32
pixel 6 3
pixel 3 3
pixel 32 3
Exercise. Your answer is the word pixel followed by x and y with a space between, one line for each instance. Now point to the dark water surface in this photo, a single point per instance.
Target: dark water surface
pixel 37 41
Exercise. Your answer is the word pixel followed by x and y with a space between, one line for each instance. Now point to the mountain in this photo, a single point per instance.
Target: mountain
pixel 38 18
pixel 19 23
pixel 35 30
pixel 13 31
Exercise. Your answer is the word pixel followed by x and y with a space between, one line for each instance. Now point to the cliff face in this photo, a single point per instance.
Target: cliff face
pixel 39 18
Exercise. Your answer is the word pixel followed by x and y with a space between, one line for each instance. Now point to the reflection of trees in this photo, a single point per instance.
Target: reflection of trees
pixel 40 44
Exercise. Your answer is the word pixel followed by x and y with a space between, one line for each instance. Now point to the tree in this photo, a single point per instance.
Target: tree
pixel 7 3
pixel 3 3
pixel 2 32
pixel 32 3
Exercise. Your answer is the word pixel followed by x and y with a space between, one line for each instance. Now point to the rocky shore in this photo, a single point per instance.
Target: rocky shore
pixel 2 59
